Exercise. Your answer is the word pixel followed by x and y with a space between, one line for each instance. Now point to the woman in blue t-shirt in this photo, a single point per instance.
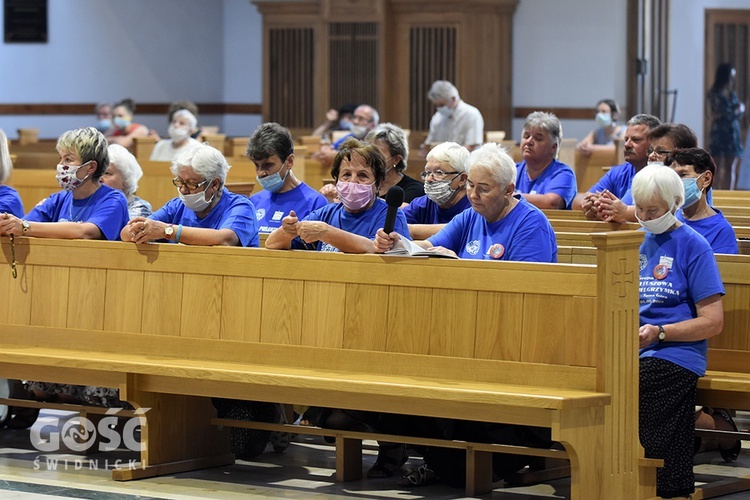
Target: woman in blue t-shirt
pixel 10 201
pixel 680 308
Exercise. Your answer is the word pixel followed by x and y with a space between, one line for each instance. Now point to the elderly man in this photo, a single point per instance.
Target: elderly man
pixel 364 119
pixel 610 198
pixel 454 120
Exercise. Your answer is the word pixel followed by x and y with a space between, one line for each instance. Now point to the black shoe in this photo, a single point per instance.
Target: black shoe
pixel 729 454
pixel 23 418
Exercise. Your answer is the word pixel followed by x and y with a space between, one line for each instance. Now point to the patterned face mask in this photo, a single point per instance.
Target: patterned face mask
pixel 66 176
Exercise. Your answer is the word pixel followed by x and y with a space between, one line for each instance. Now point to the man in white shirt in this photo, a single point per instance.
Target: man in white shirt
pixel 454 120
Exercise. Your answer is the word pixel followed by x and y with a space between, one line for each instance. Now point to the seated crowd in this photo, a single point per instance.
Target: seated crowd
pixel 474 203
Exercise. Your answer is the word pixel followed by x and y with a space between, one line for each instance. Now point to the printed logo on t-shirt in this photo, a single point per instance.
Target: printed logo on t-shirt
pixel 325 247
pixel 642 262
pixel 260 213
pixel 472 247
pixel 277 215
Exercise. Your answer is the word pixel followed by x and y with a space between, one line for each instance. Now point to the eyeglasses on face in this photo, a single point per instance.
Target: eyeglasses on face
pixel 192 186
pixel 659 152
pixel 438 175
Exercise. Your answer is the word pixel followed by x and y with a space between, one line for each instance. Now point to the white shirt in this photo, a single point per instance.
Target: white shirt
pixel 464 126
pixel 164 151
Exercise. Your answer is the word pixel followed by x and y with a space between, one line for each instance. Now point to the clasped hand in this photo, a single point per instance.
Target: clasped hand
pixel 143 230
pixel 309 231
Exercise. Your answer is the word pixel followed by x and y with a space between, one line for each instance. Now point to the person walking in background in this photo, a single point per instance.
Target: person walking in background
pixel 725 110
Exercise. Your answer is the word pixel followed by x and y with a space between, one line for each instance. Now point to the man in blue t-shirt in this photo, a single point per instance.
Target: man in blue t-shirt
pixel 610 199
pixel 271 150
pixel 543 180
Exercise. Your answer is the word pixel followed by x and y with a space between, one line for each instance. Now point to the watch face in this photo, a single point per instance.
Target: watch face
pixel 168 230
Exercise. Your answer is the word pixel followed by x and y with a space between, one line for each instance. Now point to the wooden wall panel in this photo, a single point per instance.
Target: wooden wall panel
pixel 544 329
pixel 86 297
pixel 241 303
pixel 736 318
pixel 49 304
pixel 323 314
pixel 281 321
pixel 453 323
pixel 15 301
pixel 124 298
pixel 366 305
pixel 201 306
pixel 499 327
pixel 162 303
pixel 408 311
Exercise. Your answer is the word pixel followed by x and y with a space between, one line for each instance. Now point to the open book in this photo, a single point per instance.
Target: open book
pixel 408 247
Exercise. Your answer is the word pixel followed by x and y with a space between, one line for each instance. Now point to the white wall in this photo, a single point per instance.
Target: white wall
pixel 568 54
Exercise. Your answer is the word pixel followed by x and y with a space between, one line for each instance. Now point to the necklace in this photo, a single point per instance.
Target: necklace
pixel 77 217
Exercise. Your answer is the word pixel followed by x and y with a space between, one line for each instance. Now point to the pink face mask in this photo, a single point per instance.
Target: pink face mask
pixel 355 196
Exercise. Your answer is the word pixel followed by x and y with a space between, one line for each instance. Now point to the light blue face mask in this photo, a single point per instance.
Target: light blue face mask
pixel 692 193
pixel 274 181
pixel 104 124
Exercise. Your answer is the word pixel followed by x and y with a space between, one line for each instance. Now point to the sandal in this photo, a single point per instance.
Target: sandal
pixel 729 454
pixel 421 476
pixel 391 457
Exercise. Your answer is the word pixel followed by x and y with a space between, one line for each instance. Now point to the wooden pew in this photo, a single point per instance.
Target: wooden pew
pixel 589 169
pixel 289 327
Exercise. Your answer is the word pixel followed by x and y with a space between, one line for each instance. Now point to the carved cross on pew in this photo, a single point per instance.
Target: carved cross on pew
pixel 622 277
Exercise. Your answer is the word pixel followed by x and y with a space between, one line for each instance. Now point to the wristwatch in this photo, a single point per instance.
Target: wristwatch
pixel 25 226
pixel 662 335
pixel 169 231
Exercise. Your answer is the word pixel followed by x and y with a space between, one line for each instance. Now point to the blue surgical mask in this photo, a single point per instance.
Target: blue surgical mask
pixel 273 182
pixel 121 123
pixel 692 193
pixel 104 124
pixel 345 124
pixel 603 119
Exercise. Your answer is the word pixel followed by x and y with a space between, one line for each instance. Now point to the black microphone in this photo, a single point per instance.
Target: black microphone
pixel 394 198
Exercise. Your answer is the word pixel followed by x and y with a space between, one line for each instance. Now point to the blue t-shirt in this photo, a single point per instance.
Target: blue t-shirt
pixel 617 181
pixel 10 202
pixel 557 178
pixel 687 273
pixel 270 207
pixel 423 210
pixel 337 144
pixel 233 211
pixel 524 234
pixel 717 231
pixel 106 207
pixel 365 223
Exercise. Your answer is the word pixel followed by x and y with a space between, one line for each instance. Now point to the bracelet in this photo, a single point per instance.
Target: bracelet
pixel 179 232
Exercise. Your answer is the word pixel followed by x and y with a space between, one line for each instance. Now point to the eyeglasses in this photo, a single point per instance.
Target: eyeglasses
pixel 659 152
pixel 190 185
pixel 438 175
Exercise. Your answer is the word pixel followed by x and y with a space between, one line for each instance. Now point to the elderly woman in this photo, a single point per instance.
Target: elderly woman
pixel 85 208
pixel 542 179
pixel 123 129
pixel 680 308
pixel 271 150
pixel 349 226
pixel 445 184
pixel 205 212
pixel 183 125
pixel 499 226
pixel 392 143
pixel 10 201
pixel 123 173
pixel 668 138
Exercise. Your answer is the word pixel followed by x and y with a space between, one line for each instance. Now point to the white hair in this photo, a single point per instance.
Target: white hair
pixel 495 159
pixel 451 153
pixel 206 160
pixel 661 181
pixel 442 89
pixel 6 167
pixel 192 120
pixel 128 166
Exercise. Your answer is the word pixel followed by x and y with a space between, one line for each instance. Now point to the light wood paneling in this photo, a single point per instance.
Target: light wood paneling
pixel 162 303
pixel 499 326
pixel 323 314
pixel 86 297
pixel 242 299
pixel 16 307
pixel 49 304
pixel 453 323
pixel 407 310
pixel 124 297
pixel 365 320
pixel 282 311
pixel 201 306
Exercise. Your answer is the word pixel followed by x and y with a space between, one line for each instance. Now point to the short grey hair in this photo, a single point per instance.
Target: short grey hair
pixel 89 144
pixel 374 115
pixel 393 137
pixel 451 153
pixel 547 122
pixel 128 166
pixel 192 120
pixel 206 160
pixel 644 119
pixel 442 89
pixel 6 167
pixel 661 181
pixel 496 160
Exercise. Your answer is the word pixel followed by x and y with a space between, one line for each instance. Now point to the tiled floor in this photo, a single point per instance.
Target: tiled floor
pixel 305 470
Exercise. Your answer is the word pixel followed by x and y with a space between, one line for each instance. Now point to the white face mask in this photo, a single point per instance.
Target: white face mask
pixel 358 131
pixel 660 225
pixel 197 201
pixel 445 111
pixel 178 134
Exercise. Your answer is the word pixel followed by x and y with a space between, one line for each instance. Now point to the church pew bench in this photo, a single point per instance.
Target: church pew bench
pixel 290 327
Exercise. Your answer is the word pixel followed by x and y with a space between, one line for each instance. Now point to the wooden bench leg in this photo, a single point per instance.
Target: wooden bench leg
pixel 478 472
pixel 581 431
pixel 348 459
pixel 176 435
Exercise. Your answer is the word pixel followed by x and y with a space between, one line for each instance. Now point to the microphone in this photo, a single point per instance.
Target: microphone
pixel 394 198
